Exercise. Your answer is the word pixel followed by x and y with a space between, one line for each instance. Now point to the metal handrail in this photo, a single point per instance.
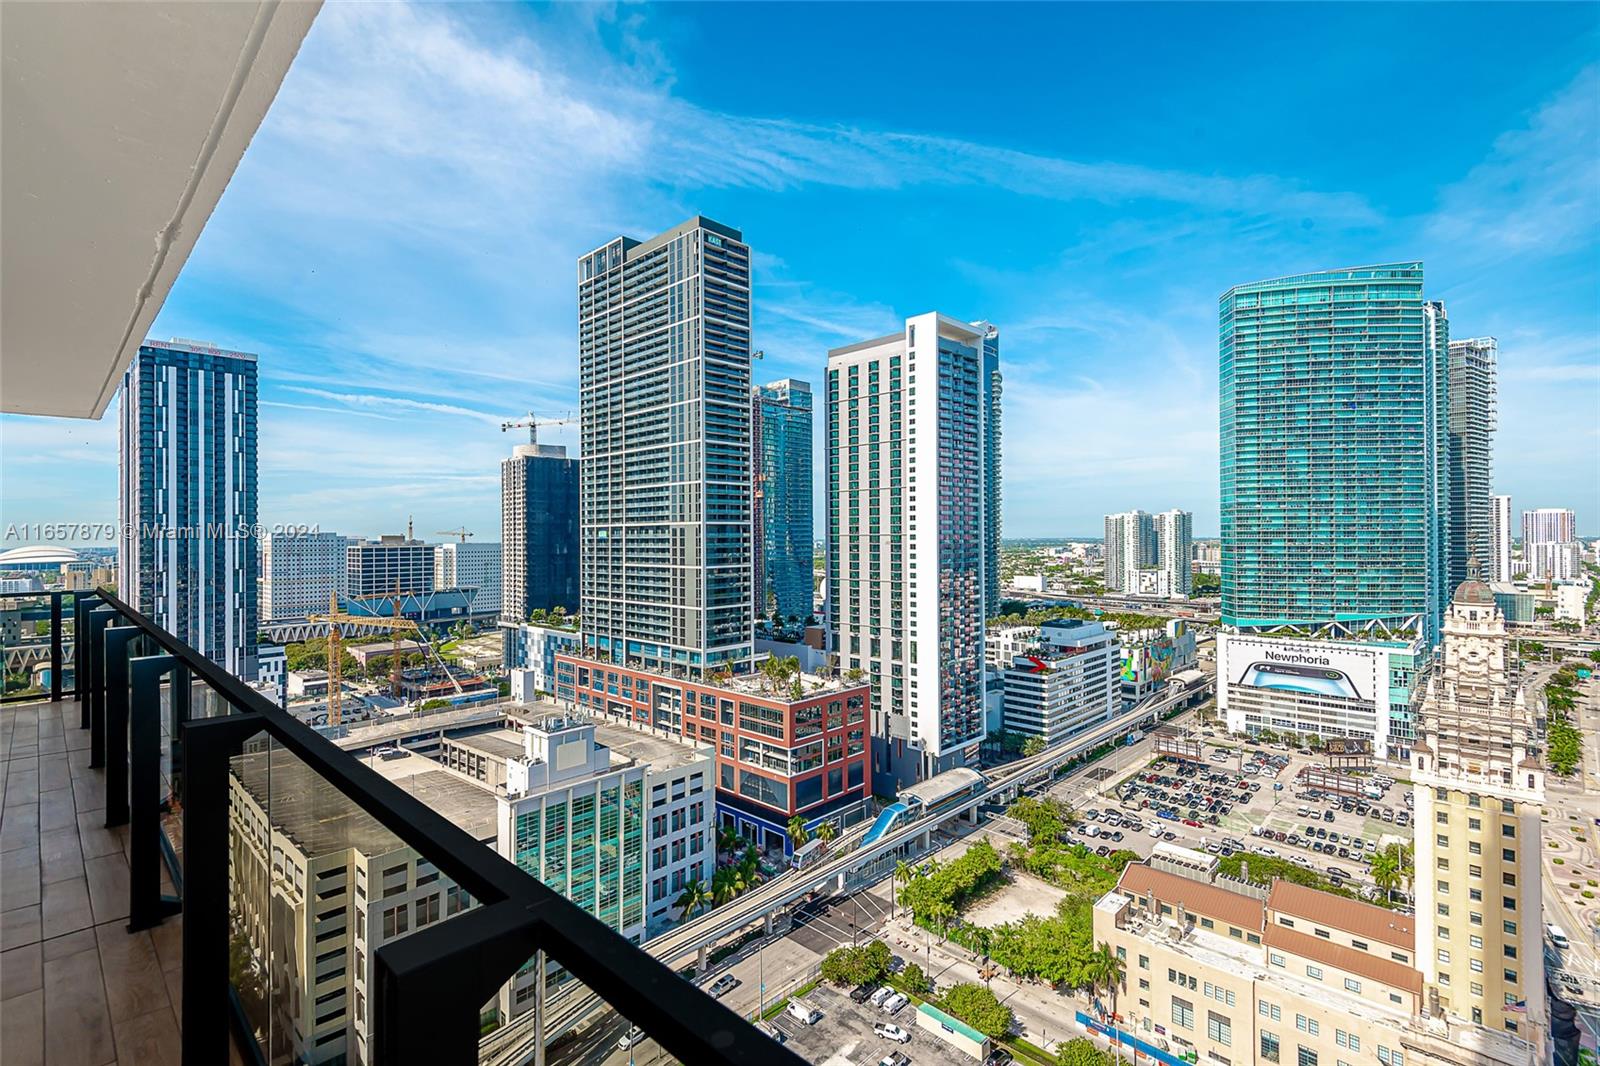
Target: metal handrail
pixel 57 690
pixel 431 983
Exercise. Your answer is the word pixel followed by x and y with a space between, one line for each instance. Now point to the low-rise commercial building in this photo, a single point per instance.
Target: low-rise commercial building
pixel 1151 656
pixel 779 753
pixel 1224 972
pixel 1324 688
pixel 1067 683
pixel 531 659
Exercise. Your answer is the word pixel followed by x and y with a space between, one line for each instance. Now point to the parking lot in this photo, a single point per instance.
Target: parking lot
pixel 844 1036
pixel 1253 798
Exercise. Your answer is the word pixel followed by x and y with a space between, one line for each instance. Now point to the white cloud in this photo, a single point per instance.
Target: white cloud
pixel 1538 191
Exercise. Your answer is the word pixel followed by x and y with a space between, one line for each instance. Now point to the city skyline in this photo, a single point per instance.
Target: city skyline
pixel 302 264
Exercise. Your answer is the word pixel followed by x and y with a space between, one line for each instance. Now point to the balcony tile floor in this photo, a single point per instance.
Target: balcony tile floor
pixel 76 988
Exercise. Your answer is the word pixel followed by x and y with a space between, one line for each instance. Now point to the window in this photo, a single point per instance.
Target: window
pixel 1391 1058
pixel 396 920
pixel 1508 855
pixel 1509 927
pixel 1509 879
pixel 1270 1010
pixel 1314 972
pixel 427 910
pixel 1510 976
pixel 1359 945
pixel 1508 830
pixel 1182 1013
pixel 1309 1026
pixel 1306 1057
pixel 1475 965
pixel 1352 985
pixel 1269 1047
pixel 1443 909
pixel 1219 1028
pixel 1444 956
pixel 1347 1040
pixel 1144 962
pixel 1275 959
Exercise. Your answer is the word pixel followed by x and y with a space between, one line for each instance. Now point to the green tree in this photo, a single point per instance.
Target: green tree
pixel 692 899
pixel 978 1007
pixel 1106 972
pixel 827 831
pixel 1080 1052
pixel 1032 746
pixel 1386 872
pixel 914 979
pixel 797 828
pixel 857 965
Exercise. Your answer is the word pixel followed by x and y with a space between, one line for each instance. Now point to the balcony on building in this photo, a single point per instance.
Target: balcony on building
pixel 187 873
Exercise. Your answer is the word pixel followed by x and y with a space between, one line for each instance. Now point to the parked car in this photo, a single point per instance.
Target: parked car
pixel 880 995
pixel 895 1058
pixel 631 1038
pixel 861 993
pixel 892 1032
pixel 892 1005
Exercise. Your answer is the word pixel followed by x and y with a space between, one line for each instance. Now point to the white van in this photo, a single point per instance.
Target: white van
pixel 803 1012
pixel 1558 939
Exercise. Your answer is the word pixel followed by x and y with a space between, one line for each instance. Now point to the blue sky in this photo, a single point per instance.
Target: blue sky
pixel 399 242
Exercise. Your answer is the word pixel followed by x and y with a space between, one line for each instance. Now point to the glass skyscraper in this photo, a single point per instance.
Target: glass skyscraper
pixel 780 420
pixel 186 497
pixel 665 507
pixel 1472 425
pixel 1335 454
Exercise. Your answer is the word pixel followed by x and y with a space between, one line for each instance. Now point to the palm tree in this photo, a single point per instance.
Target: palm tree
pixel 722 889
pixel 903 873
pixel 827 831
pixel 1386 872
pixel 750 862
pixel 694 898
pixel 1105 970
pixel 1032 746
pixel 797 827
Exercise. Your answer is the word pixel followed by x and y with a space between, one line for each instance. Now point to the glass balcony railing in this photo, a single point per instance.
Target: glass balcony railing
pixel 331 914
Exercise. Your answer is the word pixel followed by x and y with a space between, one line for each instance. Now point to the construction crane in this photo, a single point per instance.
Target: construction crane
pixel 337 619
pixel 533 425
pixel 464 533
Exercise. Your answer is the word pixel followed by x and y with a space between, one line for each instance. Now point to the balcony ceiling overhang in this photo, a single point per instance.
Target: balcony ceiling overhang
pixel 120 125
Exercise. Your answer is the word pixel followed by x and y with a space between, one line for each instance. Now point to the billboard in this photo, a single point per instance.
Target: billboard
pixel 1347 746
pixel 1320 668
pixel 1335 690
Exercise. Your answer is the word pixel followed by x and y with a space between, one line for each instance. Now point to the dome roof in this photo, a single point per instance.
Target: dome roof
pixel 1474 591
pixel 37 555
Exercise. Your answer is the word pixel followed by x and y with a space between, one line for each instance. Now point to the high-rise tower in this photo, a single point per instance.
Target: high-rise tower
pixel 1472 425
pixel 538 531
pixel 1478 790
pixel 1499 554
pixel 780 420
pixel 665 506
pixel 186 496
pixel 912 425
pixel 1334 453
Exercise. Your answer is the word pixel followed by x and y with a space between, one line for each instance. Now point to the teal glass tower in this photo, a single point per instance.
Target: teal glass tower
pixel 780 421
pixel 1335 454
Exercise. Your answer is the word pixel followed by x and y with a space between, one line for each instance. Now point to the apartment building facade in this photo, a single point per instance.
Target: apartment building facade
pixel 913 517
pixel 1068 682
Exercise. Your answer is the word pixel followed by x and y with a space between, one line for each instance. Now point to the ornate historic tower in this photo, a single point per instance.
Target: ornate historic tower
pixel 1478 793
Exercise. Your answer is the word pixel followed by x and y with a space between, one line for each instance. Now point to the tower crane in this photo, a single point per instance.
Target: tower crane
pixel 337 619
pixel 464 533
pixel 533 425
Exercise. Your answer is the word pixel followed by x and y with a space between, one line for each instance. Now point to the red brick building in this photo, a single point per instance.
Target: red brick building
pixel 776 756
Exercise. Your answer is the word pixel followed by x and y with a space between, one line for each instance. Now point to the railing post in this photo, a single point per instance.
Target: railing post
pixel 180 688
pixel 207 1007
pixel 429 987
pixel 80 654
pixel 99 621
pixel 146 905
pixel 55 646
pixel 118 646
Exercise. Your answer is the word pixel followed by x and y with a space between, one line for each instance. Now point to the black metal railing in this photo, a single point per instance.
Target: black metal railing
pixel 265 829
pixel 25 649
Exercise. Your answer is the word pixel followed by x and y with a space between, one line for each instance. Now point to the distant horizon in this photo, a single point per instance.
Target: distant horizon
pixel 398 245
